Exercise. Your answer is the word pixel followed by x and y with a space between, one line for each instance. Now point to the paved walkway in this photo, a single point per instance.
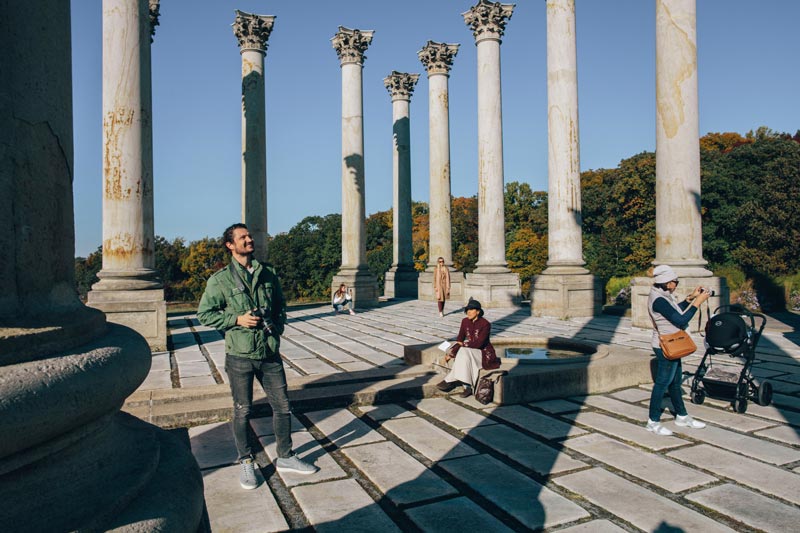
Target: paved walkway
pixel 444 464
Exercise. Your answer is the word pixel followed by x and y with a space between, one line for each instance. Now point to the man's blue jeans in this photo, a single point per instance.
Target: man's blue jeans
pixel 270 374
pixel 669 375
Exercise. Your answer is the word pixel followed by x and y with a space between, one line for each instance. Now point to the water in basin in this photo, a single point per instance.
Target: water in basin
pixel 538 353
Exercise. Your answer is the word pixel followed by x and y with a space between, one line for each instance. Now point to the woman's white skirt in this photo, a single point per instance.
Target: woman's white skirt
pixel 466 366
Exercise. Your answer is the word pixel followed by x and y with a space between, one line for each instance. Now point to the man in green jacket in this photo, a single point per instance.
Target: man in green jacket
pixel 244 300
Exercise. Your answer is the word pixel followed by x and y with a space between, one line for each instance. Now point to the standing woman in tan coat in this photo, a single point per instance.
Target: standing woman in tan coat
pixel 441 284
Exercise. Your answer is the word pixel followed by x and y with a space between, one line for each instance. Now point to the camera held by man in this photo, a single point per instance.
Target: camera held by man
pixel 266 321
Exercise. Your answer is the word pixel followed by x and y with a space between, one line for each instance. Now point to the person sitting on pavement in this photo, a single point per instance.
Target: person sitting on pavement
pixel 342 299
pixel 473 351
pixel 669 317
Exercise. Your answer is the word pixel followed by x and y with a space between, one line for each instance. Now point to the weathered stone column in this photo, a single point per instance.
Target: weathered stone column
pixel 401 279
pixel 350 46
pixel 438 60
pixel 129 291
pixel 252 32
pixel 492 282
pixel 565 288
pixel 69 459
pixel 679 235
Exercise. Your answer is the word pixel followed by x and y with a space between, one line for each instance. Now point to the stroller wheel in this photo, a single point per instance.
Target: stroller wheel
pixel 765 393
pixel 740 405
pixel 698 397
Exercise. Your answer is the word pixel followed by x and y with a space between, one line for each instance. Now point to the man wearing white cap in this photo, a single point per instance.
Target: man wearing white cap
pixel 670 317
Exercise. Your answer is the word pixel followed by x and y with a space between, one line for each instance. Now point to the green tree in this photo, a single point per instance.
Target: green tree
pixel 464 217
pixel 204 257
pixel 86 270
pixel 168 259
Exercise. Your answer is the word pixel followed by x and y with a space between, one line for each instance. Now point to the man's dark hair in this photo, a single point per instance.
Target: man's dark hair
pixel 227 235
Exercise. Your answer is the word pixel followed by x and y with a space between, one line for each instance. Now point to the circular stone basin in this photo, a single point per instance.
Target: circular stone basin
pixel 546 350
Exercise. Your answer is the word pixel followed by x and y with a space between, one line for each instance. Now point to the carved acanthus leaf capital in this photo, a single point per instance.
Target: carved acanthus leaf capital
pixel 438 57
pixel 350 45
pixel 155 12
pixel 488 20
pixel 252 31
pixel 400 84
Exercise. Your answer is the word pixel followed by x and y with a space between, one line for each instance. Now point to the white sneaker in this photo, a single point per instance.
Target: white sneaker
pixel 689 422
pixel 441 314
pixel 657 428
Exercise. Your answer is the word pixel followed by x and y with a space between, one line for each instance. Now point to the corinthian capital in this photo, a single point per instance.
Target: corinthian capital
pixel 400 84
pixel 154 14
pixel 437 57
pixel 350 45
pixel 252 31
pixel 487 20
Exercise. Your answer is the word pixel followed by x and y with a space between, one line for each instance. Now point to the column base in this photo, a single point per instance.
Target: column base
pixel 144 311
pixel 493 289
pixel 640 290
pixel 559 294
pixel 400 282
pixel 426 292
pixel 363 286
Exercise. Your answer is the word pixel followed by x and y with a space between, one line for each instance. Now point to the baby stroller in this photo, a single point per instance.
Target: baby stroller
pixel 732 330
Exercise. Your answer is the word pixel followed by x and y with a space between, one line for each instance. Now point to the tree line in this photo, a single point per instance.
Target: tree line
pixel 750 209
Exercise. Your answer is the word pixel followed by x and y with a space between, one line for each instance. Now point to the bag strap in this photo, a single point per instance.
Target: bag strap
pixel 237 279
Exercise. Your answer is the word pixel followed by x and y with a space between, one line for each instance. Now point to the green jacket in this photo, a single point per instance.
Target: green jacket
pixel 222 302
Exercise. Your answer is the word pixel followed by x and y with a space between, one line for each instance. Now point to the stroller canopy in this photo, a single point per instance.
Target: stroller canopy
pixel 727 332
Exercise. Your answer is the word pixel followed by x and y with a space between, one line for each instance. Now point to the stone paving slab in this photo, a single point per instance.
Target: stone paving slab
pixel 557 406
pixel 625 431
pixel 340 506
pixel 310 451
pixel 595 526
pixel 342 427
pixel 459 514
pixel 387 411
pixel 231 509
pixel 194 369
pixel 751 508
pixel 451 414
pixel 649 467
pixel 633 412
pixel 524 450
pixel 639 506
pixel 213 445
pixel 432 442
pixel 724 417
pixel 399 476
pixel 526 500
pixel 633 395
pixel 198 381
pixel 743 470
pixel 774 413
pixel 786 434
pixel 730 440
pixel 160 379
pixel 543 425
pixel 159 362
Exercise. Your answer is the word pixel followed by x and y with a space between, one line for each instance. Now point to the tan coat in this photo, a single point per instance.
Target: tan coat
pixel 441 282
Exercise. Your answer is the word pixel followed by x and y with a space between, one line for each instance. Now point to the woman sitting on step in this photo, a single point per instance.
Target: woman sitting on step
pixel 472 351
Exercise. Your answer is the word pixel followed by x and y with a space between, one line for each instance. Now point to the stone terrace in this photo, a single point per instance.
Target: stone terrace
pixel 442 464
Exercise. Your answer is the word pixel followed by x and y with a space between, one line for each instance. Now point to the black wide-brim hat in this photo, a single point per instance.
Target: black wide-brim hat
pixel 474 304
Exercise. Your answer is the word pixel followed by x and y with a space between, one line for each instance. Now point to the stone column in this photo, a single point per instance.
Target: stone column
pixel 679 236
pixel 565 288
pixel 401 279
pixel 350 46
pixel 438 60
pixel 69 459
pixel 129 291
pixel 492 282
pixel 252 32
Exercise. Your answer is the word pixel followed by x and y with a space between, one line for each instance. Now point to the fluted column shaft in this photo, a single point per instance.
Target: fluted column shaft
pixel 252 32
pixel 488 22
pixel 679 238
pixel 401 86
pixel 350 45
pixel 438 59
pixel 565 247
pixel 128 231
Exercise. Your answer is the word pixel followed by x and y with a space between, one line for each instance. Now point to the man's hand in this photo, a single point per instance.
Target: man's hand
pixel 247 320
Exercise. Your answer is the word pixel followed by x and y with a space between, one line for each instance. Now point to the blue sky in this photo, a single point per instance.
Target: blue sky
pixel 748 77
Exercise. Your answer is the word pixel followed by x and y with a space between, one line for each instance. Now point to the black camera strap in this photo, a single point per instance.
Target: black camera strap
pixel 237 278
